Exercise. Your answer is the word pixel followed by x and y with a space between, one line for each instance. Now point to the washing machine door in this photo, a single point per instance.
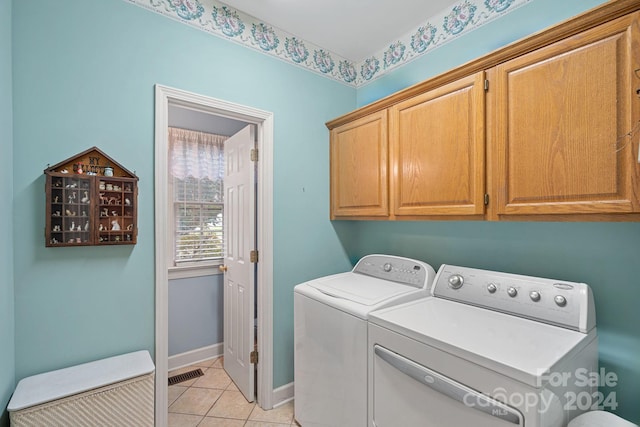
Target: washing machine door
pixel 360 289
pixel 407 393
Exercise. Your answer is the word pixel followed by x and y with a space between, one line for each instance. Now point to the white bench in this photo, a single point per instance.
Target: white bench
pixel 117 391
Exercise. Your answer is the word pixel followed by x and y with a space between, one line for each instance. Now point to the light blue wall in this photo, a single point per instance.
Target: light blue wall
pixel 7 343
pixel 195 313
pixel 603 255
pixel 85 75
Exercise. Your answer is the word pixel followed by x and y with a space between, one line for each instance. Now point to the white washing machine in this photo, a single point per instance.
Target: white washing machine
pixel 487 349
pixel 330 334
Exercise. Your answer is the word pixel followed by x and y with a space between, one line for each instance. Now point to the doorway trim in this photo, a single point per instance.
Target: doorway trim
pixel 164 96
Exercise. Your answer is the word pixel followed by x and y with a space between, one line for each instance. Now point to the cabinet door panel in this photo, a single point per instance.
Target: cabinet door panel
pixel 559 113
pixel 437 146
pixel 359 168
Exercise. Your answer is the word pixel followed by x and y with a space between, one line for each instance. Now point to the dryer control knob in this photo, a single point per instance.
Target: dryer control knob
pixel 492 288
pixel 456 281
pixel 512 292
pixel 535 296
pixel 560 300
pixel 387 267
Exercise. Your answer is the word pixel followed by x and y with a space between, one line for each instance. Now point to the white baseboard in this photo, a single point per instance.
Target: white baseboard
pixel 197 355
pixel 282 395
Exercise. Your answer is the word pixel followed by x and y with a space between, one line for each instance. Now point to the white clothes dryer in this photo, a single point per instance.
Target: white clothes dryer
pixel 487 349
pixel 330 335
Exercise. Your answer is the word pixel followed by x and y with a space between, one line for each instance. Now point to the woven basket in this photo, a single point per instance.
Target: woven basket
pixel 127 403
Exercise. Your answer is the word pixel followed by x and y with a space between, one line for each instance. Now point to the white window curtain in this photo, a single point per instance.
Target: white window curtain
pixel 196 174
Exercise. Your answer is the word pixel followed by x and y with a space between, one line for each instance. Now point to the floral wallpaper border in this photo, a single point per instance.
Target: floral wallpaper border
pixel 223 21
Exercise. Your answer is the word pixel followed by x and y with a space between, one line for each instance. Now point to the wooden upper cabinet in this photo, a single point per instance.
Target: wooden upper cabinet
pixel 437 145
pixel 359 164
pixel 555 136
pixel 558 125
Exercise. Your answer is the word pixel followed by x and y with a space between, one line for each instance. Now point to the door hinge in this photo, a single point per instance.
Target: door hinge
pixel 486 199
pixel 254 357
pixel 254 154
pixel 486 84
pixel 253 256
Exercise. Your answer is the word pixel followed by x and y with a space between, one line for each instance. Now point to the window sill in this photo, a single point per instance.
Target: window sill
pixel 193 271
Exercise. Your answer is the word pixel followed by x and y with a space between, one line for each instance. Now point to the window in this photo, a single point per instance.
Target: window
pixel 196 175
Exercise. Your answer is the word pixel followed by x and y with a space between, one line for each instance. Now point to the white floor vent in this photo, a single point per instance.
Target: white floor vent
pixel 117 391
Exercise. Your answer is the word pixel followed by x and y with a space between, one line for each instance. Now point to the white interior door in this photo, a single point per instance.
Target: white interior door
pixel 239 278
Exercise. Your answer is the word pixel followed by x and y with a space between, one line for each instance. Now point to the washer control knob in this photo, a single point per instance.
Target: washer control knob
pixel 512 292
pixel 456 281
pixel 535 296
pixel 560 300
pixel 492 288
pixel 387 267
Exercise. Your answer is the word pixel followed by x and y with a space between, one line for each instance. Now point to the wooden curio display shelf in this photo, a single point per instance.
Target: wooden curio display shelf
pixel 90 200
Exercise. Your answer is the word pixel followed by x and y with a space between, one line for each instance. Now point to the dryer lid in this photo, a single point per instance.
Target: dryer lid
pixel 519 348
pixel 360 289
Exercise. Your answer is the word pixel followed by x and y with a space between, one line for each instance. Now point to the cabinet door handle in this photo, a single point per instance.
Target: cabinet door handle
pixel 223 268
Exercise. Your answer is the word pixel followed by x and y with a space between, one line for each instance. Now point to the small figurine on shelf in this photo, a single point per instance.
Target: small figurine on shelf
pixel 84 213
pixel 117 238
pixel 115 226
pixel 54 241
pixel 105 212
pixel 56 228
pixel 129 227
pixel 56 213
pixel 127 202
pixel 55 199
pixel 85 199
pixel 115 200
pixel 73 226
pixel 79 228
pixel 72 185
pixel 86 226
pixel 101 227
pixel 114 213
pixel 70 213
pixel 57 184
pixel 127 188
pixel 128 237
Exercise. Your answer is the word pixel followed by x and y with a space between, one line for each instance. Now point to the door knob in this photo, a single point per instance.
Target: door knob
pixel 222 268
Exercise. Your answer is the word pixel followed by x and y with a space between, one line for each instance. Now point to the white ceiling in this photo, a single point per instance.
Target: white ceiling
pixel 187 118
pixel 354 29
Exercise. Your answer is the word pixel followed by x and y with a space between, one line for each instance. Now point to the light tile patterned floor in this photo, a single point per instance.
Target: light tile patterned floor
pixel 213 400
